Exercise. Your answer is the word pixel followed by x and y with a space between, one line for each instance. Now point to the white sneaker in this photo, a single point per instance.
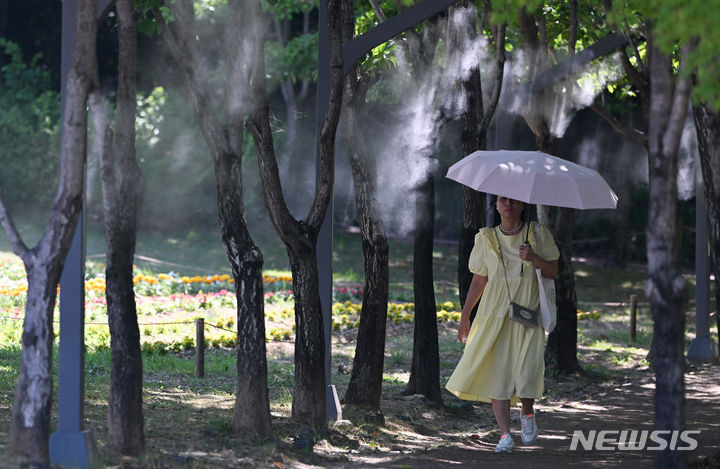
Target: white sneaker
pixel 529 431
pixel 506 444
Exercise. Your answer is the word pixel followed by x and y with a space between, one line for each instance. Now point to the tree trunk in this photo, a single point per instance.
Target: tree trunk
pixel 561 349
pixel 29 428
pixel 125 415
pixel 666 289
pixel 474 124
pixel 308 405
pixel 121 206
pixel 365 385
pixel 300 237
pixel 707 126
pixel 252 409
pixel 252 403
pixel 472 137
pixel 425 369
pixel 30 425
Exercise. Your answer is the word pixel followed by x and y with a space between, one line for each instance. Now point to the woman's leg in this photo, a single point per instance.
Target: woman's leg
pixel 502 414
pixel 527 405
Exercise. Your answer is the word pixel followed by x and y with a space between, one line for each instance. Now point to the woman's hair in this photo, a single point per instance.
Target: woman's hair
pixel 528 211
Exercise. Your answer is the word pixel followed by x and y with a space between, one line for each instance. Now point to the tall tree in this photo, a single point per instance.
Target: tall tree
pixel 475 122
pixel 225 142
pixel 425 367
pixel 365 386
pixel 703 61
pixel 561 351
pixel 29 428
pixel 300 236
pixel 666 288
pixel 122 188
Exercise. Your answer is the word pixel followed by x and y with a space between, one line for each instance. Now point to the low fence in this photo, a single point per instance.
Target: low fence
pixel 200 325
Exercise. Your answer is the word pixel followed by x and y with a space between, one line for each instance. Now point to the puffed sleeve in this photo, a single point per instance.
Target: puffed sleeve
pixel 547 248
pixel 477 263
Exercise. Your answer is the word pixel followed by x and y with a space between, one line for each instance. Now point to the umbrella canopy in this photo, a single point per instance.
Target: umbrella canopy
pixel 534 177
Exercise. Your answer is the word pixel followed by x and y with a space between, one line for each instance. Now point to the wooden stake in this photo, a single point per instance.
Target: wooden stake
pixel 633 317
pixel 200 348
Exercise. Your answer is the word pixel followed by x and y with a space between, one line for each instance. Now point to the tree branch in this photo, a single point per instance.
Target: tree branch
pixel 259 127
pixel 681 100
pixel 18 246
pixel 182 47
pixel 499 73
pixel 572 39
pixel 106 152
pixel 378 11
pixel 326 163
pixel 634 134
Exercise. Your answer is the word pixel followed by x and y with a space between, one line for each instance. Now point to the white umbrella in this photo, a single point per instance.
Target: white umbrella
pixel 534 177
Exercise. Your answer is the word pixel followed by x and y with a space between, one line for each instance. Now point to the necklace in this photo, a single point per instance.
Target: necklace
pixel 513 231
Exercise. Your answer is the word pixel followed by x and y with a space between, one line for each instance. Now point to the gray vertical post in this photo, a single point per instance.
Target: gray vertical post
pixel 72 445
pixel 702 347
pixel 325 236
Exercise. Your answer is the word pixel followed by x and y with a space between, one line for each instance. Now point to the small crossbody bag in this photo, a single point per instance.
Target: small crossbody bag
pixel 518 313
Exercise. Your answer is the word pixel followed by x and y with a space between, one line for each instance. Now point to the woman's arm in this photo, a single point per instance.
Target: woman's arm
pixel 549 269
pixel 477 286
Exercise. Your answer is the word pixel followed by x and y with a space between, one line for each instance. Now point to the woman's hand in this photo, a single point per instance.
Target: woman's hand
pixel 463 329
pixel 526 253
pixel 548 269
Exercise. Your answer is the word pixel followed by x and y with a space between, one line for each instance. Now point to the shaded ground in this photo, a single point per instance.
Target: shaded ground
pixel 578 405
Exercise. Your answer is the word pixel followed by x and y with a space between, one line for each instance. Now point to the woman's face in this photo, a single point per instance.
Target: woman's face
pixel 509 208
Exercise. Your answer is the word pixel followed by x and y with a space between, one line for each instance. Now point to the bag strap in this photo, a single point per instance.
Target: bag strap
pixel 502 261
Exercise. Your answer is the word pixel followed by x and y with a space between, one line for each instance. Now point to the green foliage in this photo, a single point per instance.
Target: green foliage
pixel 297 60
pixel 29 130
pixel 692 21
pixel 285 9
pixel 147 23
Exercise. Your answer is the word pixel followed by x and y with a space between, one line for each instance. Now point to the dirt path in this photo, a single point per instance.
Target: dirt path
pixel 577 405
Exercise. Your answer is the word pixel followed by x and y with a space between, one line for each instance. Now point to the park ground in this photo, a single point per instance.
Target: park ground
pixel 188 421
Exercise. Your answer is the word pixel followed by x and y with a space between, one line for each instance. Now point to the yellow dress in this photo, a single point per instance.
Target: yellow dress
pixel 503 359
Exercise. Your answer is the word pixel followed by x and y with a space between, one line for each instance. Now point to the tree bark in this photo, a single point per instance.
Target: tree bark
pixel 300 237
pixel 121 206
pixel 561 348
pixel 365 385
pixel 473 136
pixel 29 428
pixel 665 288
pixel 252 407
pixel 707 126
pixel 425 369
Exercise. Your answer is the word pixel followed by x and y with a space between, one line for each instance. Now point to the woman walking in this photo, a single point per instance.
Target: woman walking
pixel 503 358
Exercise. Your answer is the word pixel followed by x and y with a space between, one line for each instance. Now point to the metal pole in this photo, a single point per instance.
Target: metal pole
pixel 702 347
pixel 72 445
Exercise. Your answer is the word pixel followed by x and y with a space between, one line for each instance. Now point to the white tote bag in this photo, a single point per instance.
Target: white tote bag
pixel 548 309
pixel 546 289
